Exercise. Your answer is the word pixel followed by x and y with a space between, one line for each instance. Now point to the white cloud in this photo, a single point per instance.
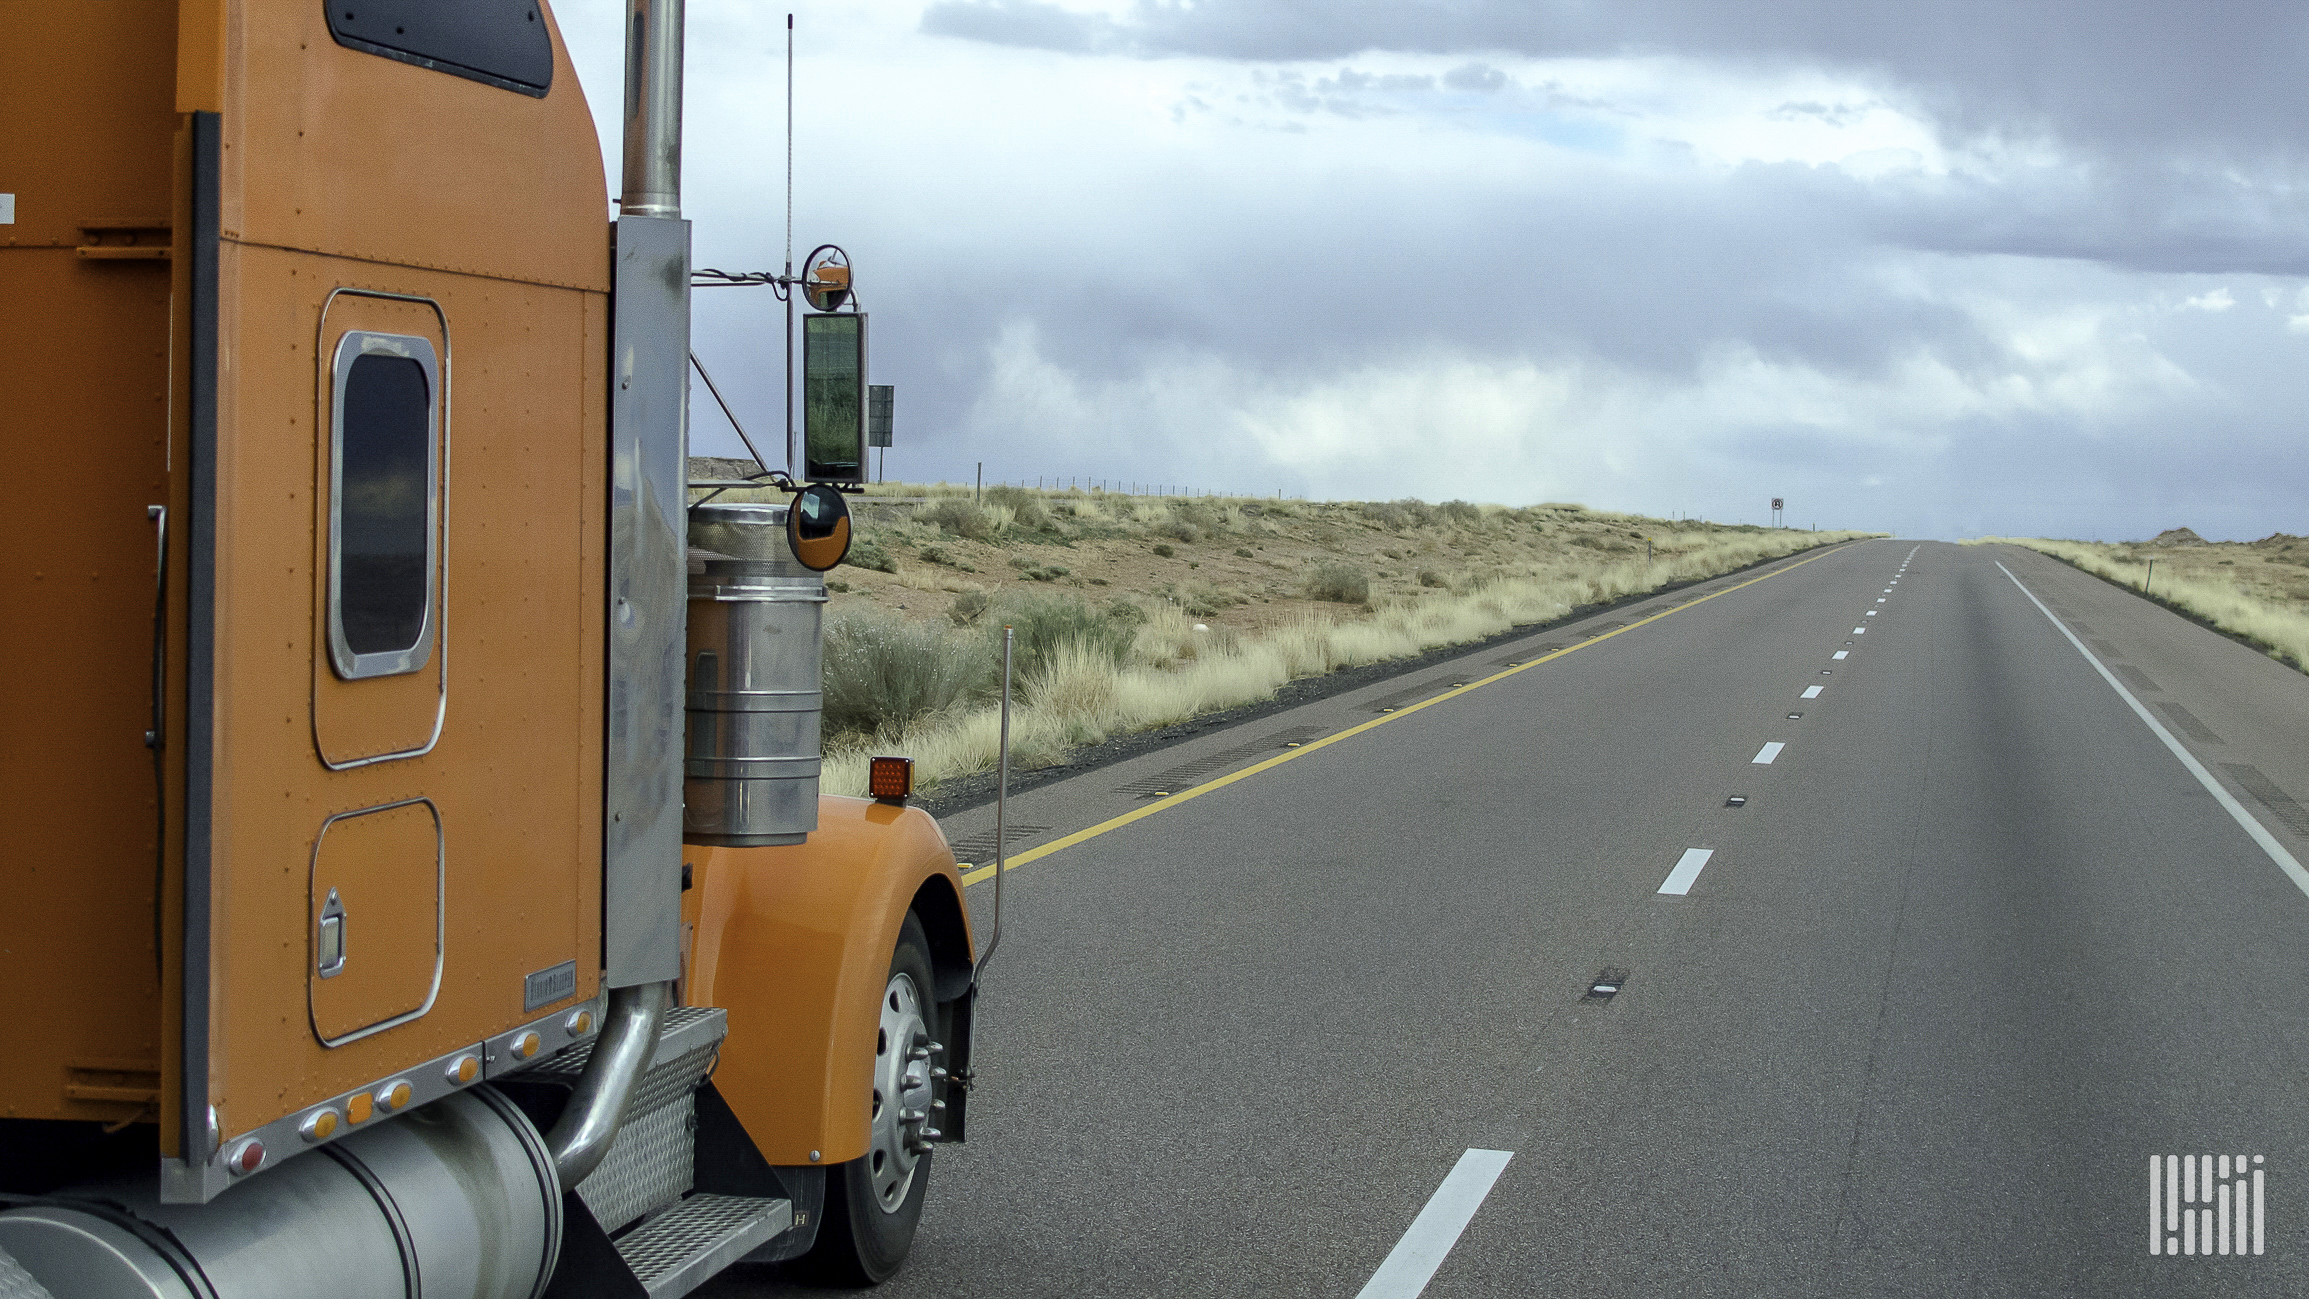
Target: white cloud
pixel 2216 300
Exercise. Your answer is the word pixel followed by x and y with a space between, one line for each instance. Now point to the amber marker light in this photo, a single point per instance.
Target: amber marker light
pixel 463 1069
pixel 319 1125
pixel 526 1045
pixel 392 1096
pixel 357 1108
pixel 890 780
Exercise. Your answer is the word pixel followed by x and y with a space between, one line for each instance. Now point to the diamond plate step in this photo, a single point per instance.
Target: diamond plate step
pixel 16 1283
pixel 682 1248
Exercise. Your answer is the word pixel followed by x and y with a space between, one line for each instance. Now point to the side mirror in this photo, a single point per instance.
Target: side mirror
pixel 818 527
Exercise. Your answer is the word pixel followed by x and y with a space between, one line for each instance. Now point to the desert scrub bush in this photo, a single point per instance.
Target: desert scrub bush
pixel 1034 572
pixel 966 607
pixel 1242 552
pixel 1460 512
pixel 1429 577
pixel 882 673
pixel 1026 508
pixel 1046 623
pixel 1340 583
pixel 1163 551
pixel 1203 599
pixel 1205 517
pixel 1395 516
pixel 868 552
pixel 961 518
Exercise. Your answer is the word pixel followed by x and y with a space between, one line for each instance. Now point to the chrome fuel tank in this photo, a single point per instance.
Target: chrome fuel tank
pixel 750 777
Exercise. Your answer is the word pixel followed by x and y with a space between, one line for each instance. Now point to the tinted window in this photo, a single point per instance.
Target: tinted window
pixel 383 492
pixel 500 42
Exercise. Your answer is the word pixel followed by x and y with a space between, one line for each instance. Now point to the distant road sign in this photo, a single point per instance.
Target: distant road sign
pixel 878 402
pixel 1779 504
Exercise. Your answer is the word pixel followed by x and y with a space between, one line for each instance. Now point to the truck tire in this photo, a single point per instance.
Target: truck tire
pixel 874 1202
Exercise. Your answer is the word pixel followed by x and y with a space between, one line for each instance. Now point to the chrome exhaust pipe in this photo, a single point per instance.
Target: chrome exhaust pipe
pixel 597 1108
pixel 653 69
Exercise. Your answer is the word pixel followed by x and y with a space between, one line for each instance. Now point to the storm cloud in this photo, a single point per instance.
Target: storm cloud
pixel 2004 268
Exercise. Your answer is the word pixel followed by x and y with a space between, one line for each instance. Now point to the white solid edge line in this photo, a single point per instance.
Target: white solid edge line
pixel 2228 802
pixel 1679 880
pixel 1412 1263
pixel 1770 751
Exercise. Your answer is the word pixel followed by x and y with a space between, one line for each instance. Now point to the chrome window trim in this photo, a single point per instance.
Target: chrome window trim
pixel 440 921
pixel 351 347
pixel 445 409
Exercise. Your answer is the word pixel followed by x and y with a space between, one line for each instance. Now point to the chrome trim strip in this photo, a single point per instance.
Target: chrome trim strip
pixel 440 920
pixel 497 1052
pixel 283 1137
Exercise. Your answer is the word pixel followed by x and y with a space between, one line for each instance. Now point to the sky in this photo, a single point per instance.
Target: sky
pixel 1941 270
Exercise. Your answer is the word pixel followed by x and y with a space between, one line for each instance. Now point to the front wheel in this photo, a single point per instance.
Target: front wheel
pixel 874 1202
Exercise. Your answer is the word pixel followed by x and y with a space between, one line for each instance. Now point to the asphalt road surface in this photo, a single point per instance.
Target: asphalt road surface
pixel 1979 944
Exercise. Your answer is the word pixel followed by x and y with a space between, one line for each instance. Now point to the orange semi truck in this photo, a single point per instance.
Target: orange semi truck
pixel 414 880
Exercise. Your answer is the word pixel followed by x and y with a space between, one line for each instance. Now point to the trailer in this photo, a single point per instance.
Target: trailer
pixel 415 879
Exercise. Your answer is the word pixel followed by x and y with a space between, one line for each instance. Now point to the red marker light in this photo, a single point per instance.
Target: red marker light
pixel 890 780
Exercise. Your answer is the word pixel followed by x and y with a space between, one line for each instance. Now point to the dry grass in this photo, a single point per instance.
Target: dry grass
pixel 1439 575
pixel 2258 590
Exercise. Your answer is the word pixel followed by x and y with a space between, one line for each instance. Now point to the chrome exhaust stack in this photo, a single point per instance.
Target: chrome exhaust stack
pixel 648 565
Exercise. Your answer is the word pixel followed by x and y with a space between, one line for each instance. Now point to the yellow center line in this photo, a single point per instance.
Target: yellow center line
pixel 974 875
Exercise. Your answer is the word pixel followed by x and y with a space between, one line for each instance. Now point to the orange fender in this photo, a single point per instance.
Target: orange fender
pixel 794 942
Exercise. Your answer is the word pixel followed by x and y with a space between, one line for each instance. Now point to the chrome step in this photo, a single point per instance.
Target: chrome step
pixel 682 1248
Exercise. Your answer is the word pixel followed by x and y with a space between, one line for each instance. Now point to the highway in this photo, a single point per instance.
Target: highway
pixel 1863 924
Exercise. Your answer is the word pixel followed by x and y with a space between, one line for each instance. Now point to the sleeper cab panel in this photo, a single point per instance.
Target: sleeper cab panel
pixel 85 106
pixel 794 942
pixel 514 776
pixel 342 170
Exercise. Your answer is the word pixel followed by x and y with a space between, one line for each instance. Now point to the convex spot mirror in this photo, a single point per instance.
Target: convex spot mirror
pixel 818 527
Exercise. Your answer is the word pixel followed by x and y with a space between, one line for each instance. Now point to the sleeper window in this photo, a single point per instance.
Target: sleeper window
pixel 383 504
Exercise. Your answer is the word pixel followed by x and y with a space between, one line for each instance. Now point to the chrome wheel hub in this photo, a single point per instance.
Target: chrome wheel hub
pixel 903 1096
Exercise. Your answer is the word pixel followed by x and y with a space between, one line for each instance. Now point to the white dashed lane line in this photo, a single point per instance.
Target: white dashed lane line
pixel 1765 755
pixel 1813 692
pixel 1843 653
pixel 1679 881
pixel 1412 1263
